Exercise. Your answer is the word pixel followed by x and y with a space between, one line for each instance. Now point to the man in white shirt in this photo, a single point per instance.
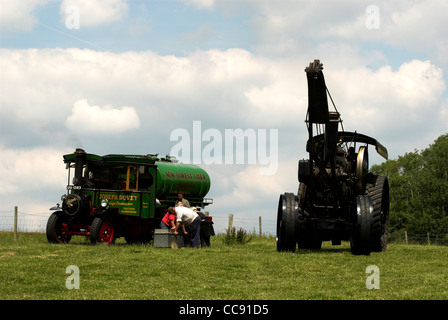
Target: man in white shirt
pixel 190 219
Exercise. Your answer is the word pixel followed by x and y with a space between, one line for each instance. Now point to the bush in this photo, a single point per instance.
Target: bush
pixel 236 237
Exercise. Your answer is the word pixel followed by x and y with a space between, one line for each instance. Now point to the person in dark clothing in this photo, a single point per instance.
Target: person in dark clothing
pixel 182 200
pixel 207 229
pixel 189 219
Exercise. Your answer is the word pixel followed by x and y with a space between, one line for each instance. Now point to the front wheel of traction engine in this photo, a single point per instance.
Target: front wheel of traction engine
pixel 103 230
pixel 56 229
pixel 361 234
pixel 287 215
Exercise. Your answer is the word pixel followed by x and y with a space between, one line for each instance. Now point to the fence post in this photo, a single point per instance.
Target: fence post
pixel 15 222
pixel 429 242
pixel 406 236
pixel 230 223
pixel 259 223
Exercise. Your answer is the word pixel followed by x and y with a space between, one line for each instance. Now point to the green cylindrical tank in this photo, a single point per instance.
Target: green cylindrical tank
pixel 174 177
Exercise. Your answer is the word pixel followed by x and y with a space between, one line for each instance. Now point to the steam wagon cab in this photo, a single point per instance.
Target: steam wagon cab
pixel 116 195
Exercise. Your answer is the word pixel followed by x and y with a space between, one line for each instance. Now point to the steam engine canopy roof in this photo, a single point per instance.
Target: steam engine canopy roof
pixel 172 176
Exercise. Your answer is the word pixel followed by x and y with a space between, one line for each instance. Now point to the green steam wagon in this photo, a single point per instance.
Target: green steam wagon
pixel 119 195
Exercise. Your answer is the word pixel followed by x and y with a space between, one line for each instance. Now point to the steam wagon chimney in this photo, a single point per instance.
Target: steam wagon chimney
pixel 79 163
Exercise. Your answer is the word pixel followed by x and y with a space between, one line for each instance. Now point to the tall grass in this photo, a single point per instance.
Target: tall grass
pixel 31 268
pixel 236 237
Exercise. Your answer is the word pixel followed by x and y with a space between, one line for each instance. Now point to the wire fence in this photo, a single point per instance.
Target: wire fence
pixel 36 222
pixel 424 239
pixel 26 222
pixel 257 225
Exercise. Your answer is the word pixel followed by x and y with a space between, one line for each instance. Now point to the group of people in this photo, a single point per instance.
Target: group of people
pixel 191 220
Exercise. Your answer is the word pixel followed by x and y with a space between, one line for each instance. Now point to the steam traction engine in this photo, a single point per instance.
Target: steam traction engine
pixel 122 195
pixel 338 198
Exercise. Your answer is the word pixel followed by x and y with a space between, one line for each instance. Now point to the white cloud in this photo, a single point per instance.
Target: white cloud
pixel 247 194
pixel 251 186
pixel 93 13
pixel 419 84
pixel 418 26
pixel 376 99
pixel 30 170
pixel 33 179
pixel 95 119
pixel 19 16
pixel 224 88
pixel 201 4
pixel 294 27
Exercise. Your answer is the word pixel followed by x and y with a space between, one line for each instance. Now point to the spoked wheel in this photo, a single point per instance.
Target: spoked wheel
pixel 102 231
pixel 378 190
pixel 287 215
pixel 361 235
pixel 56 229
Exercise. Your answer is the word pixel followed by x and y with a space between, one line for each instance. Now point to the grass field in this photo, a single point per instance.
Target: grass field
pixel 33 269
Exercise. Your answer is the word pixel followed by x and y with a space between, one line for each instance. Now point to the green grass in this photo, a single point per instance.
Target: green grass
pixel 31 268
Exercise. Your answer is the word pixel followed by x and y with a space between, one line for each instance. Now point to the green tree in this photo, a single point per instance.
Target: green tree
pixel 419 189
pixel 435 183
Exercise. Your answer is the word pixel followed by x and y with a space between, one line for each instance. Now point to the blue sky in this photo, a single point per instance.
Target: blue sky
pixel 165 27
pixel 178 28
pixel 135 71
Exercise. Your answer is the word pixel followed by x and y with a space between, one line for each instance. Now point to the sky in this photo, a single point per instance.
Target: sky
pixel 117 76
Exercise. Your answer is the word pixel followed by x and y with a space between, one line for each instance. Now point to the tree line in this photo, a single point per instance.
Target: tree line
pixel 418 183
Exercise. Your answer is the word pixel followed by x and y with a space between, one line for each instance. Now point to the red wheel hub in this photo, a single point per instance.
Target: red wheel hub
pixel 107 232
pixel 62 232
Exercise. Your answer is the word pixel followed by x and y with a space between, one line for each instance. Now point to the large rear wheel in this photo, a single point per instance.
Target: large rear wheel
pixel 377 189
pixel 287 215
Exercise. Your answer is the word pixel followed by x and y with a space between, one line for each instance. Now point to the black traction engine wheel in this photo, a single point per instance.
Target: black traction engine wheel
pixel 287 216
pixel 377 189
pixel 361 235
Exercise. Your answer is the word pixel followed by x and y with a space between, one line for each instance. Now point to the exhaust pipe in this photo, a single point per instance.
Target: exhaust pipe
pixel 79 164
